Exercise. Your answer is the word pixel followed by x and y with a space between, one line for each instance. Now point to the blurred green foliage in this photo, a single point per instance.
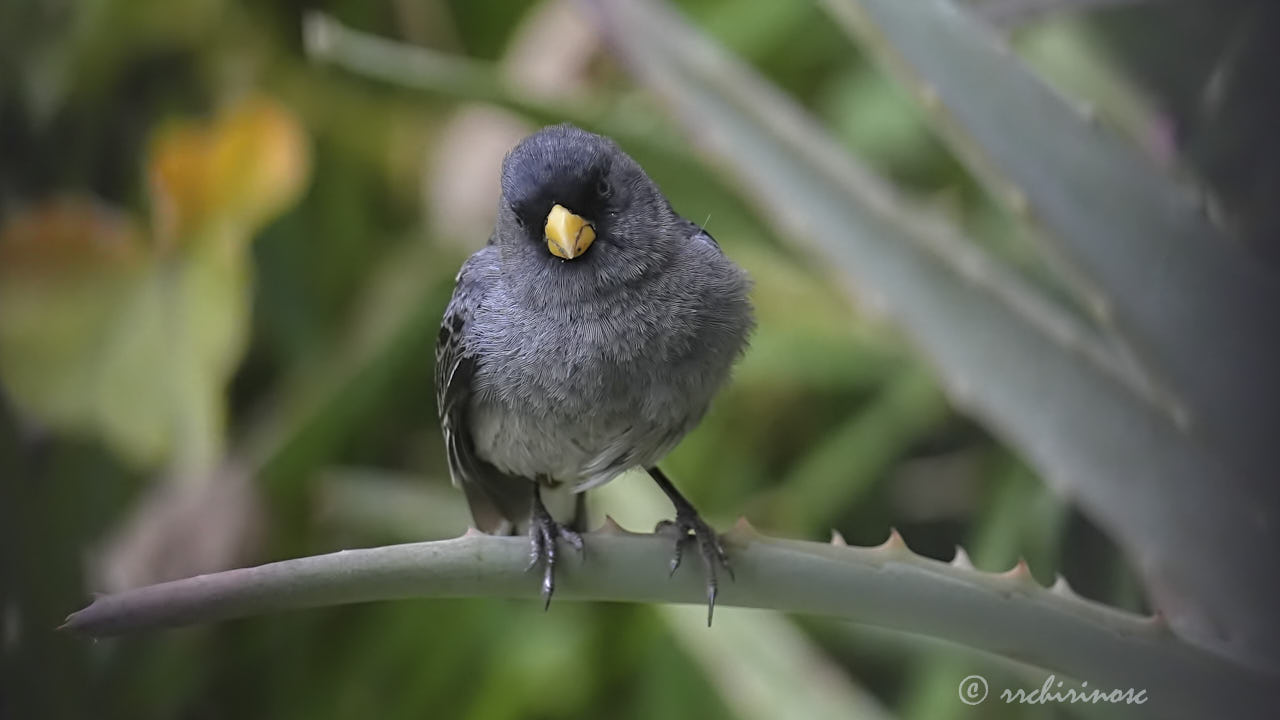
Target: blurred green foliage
pixel 830 422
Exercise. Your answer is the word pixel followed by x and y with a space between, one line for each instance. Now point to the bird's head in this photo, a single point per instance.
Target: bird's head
pixel 574 205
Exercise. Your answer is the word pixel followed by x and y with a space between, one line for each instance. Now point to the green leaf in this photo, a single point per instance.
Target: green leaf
pixel 1094 427
pixel 1179 292
pixel 764 666
pixel 105 331
pixel 887 586
pixel 131 345
pixel 1181 297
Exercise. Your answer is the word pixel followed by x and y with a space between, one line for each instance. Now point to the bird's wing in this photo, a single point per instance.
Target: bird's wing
pixel 498 501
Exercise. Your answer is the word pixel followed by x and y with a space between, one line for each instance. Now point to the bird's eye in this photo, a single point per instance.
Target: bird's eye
pixel 603 188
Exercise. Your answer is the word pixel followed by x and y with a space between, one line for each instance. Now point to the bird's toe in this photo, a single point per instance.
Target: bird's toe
pixel 687 529
pixel 544 533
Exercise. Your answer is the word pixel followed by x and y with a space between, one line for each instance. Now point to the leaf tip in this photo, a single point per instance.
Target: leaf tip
pixel 74 622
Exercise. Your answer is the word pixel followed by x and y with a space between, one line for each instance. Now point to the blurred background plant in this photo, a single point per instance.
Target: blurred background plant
pixel 222 265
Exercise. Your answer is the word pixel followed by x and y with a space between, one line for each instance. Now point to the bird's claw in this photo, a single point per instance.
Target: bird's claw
pixel 689 528
pixel 543 534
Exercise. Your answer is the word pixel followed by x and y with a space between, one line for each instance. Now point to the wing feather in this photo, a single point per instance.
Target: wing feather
pixel 497 501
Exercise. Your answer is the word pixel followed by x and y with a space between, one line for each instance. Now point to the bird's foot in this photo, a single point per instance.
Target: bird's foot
pixel 688 528
pixel 543 534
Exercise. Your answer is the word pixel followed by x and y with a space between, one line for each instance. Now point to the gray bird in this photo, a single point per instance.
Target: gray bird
pixel 586 338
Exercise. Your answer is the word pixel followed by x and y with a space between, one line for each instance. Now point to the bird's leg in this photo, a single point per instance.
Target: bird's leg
pixel 689 528
pixel 544 531
pixel 580 515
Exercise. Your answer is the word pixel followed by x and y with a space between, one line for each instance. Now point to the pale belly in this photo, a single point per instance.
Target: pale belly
pixel 582 451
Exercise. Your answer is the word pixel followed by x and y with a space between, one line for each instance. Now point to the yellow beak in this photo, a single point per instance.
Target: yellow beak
pixel 568 235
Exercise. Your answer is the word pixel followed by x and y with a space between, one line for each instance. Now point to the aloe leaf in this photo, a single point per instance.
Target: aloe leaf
pixel 1188 301
pixel 1181 294
pixel 1008 13
pixel 765 667
pixel 1091 425
pixel 886 586
pixel 1019 514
